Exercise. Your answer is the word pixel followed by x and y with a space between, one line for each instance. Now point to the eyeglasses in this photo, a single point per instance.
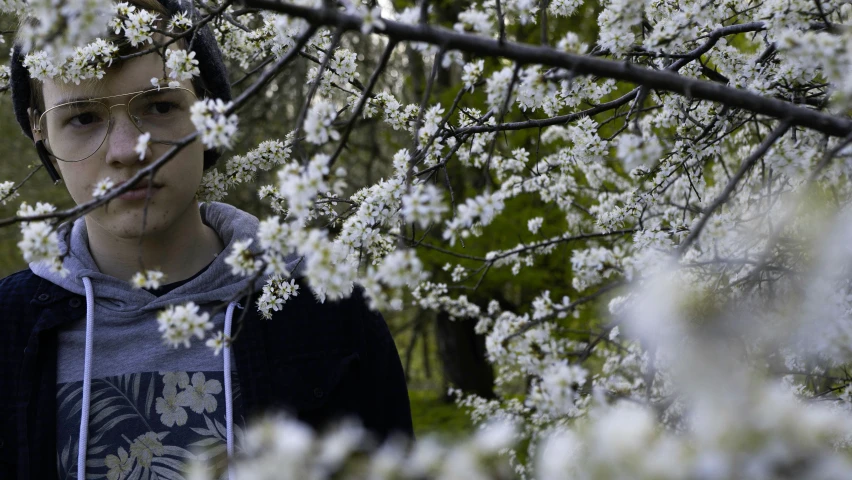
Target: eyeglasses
pixel 74 131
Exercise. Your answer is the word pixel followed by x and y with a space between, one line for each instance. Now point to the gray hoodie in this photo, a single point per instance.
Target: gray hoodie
pixel 125 341
pixel 122 311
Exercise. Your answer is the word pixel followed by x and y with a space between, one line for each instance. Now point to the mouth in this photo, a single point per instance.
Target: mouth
pixel 140 190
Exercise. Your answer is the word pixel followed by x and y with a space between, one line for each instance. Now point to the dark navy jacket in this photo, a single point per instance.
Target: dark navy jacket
pixel 318 361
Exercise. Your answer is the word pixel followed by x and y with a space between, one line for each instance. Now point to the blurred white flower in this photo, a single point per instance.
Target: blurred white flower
pixel 142 145
pixel 148 279
pixel 218 342
pixel 178 323
pixel 424 205
pixel 7 192
pixel 534 224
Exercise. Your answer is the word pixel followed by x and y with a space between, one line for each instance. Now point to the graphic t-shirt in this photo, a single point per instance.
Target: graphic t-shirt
pixel 143 423
pixel 146 425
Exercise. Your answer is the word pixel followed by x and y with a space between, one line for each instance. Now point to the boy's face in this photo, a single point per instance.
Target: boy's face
pixel 176 182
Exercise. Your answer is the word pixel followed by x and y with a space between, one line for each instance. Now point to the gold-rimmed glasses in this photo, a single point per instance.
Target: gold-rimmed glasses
pixel 75 130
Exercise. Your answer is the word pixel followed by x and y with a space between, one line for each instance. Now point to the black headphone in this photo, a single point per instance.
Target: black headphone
pixel 45 161
pixel 43 154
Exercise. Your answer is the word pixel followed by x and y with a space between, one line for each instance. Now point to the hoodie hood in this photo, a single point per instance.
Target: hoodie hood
pixel 120 298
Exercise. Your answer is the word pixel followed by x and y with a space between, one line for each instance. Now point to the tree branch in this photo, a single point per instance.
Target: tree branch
pixel 732 184
pixel 664 80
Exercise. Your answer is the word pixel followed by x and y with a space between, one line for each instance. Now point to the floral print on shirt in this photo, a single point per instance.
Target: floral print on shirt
pixel 148 425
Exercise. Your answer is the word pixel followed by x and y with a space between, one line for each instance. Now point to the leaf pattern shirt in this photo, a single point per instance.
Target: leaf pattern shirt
pixel 143 424
pixel 146 425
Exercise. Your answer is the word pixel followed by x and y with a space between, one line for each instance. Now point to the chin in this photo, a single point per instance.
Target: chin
pixel 125 221
pixel 133 230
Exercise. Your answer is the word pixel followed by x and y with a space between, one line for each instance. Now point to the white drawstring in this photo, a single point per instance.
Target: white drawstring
pixel 87 384
pixel 87 380
pixel 229 402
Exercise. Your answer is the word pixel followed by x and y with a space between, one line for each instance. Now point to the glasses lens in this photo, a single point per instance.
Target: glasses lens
pixel 164 113
pixel 75 131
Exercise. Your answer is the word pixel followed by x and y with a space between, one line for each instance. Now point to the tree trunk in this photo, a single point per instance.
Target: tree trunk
pixel 462 354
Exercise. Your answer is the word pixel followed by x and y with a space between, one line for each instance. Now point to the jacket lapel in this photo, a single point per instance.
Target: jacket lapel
pixel 36 402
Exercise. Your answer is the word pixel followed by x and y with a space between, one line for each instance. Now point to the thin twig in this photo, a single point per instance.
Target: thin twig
pixel 300 120
pixel 732 184
pixel 383 61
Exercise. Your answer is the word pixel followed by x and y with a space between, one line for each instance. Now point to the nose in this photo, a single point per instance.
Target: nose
pixel 121 139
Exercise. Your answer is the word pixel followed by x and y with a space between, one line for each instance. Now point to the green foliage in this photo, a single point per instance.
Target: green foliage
pixel 432 413
pixel 19 159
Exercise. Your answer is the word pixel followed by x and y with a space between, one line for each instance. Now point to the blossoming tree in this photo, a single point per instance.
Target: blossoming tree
pixel 693 157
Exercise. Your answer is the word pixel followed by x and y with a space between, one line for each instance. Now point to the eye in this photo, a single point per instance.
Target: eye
pixel 162 108
pixel 83 119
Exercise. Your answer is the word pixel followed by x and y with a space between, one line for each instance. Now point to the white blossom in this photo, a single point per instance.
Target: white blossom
pixel 7 192
pixel 371 20
pixel 40 242
pixel 142 143
pixel 241 259
pixel 102 187
pixel 474 20
pixel 178 323
pixel 148 279
pixel 210 118
pixel 424 205
pixel 179 21
pixel 275 293
pixel 534 224
pixel 137 26
pixel 181 64
pixel 318 122
pixel 472 73
pixel 497 88
pixel 218 342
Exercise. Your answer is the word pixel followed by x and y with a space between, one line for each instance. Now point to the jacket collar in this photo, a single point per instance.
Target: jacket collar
pixel 50 296
pixel 48 293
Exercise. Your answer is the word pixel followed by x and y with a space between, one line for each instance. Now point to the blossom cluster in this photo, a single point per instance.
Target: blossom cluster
pixel 181 64
pixel 282 447
pixel 148 279
pixel 60 29
pixel 275 293
pixel 135 23
pixel 243 168
pixel 212 120
pixel 40 241
pixel 178 323
pixel 7 192
pixel 84 63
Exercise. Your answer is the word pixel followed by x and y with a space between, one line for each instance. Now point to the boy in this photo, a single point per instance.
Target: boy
pixel 86 384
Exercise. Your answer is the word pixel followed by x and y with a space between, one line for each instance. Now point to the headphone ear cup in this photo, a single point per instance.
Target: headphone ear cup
pixel 45 161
